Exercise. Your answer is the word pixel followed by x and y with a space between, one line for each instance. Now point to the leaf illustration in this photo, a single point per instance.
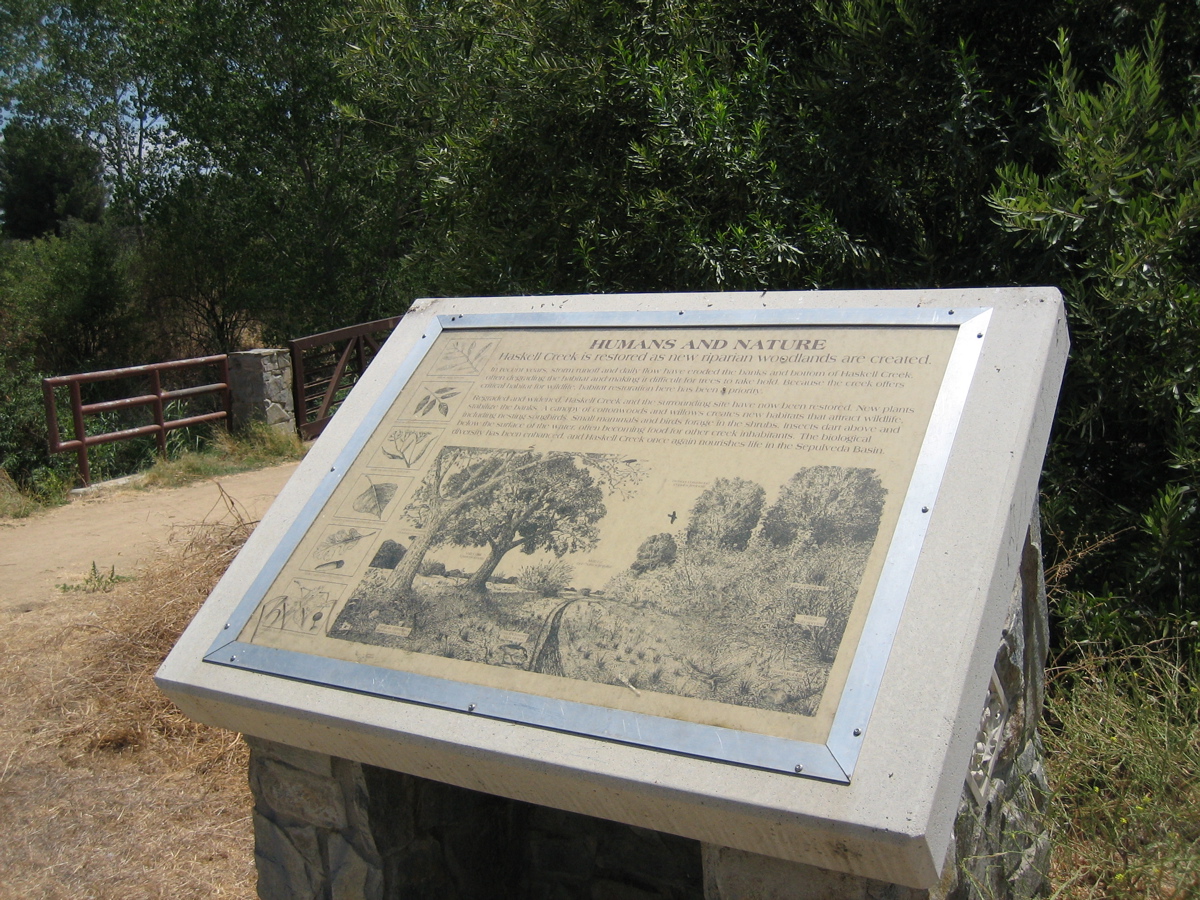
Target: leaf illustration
pixel 408 446
pixel 443 408
pixel 274 612
pixel 375 499
pixel 336 564
pixel 447 392
pixel 304 613
pixel 465 357
pixel 339 542
pixel 425 405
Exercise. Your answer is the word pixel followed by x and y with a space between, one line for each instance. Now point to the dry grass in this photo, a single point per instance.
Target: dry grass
pixel 13 504
pixel 106 789
pixel 1123 755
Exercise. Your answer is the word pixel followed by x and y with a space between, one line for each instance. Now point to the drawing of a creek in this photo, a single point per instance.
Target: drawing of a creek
pixel 599 640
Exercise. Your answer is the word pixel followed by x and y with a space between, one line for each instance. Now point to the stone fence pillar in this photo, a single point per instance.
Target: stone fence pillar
pixel 331 828
pixel 261 384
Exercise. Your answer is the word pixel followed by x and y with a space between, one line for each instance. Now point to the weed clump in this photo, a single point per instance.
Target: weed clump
pixel 113 792
pixel 227 454
pixel 125 708
pixel 1123 756
pixel 97 581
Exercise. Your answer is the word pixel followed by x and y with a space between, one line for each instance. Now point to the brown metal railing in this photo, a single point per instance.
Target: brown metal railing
pixel 157 399
pixel 326 365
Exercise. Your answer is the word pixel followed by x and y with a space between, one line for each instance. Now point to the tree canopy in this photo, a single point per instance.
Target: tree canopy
pixel 219 171
pixel 48 177
pixel 824 504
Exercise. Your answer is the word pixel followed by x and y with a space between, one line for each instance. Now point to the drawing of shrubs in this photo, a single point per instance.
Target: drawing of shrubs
pixel 726 514
pixel 546 580
pixel 823 504
pixel 656 551
pixel 729 596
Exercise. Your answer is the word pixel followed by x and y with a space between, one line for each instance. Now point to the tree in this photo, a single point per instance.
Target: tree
pixel 637 146
pixel 204 263
pixel 568 146
pixel 553 506
pixel 1119 215
pixel 172 93
pixel 77 66
pixel 48 177
pixel 313 210
pixel 73 297
pixel 821 504
pixel 726 514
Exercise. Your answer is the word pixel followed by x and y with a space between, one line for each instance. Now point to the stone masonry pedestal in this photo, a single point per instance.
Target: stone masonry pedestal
pixel 332 828
pixel 261 384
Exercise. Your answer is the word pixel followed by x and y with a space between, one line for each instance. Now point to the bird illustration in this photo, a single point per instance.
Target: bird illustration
pixel 671 515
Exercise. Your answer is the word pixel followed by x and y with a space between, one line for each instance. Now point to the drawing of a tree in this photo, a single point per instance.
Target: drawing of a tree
pixel 826 503
pixel 462 477
pixel 458 476
pixel 553 506
pixel 726 514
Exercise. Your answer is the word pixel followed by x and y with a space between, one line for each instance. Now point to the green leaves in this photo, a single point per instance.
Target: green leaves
pixel 1119 211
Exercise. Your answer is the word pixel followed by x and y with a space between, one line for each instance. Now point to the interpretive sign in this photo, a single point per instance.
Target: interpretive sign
pixel 684 517
pixel 685 525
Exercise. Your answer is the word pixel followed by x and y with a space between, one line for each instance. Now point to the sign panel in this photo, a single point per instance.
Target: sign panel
pixel 691 531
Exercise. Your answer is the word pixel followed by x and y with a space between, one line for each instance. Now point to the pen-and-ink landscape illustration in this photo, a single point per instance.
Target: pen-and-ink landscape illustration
pixel 744 603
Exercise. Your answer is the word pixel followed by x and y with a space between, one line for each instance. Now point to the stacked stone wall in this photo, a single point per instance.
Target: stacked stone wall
pixel 260 382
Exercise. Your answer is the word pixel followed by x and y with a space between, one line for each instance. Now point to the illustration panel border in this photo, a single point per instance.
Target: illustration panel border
pixel 832 761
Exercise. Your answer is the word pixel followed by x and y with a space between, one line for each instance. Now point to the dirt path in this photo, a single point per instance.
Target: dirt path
pixel 122 528
pixel 102 793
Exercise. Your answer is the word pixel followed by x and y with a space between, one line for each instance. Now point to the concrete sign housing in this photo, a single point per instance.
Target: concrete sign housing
pixel 731 566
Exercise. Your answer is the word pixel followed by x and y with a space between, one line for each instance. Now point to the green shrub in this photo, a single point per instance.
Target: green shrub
pixel 1117 215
